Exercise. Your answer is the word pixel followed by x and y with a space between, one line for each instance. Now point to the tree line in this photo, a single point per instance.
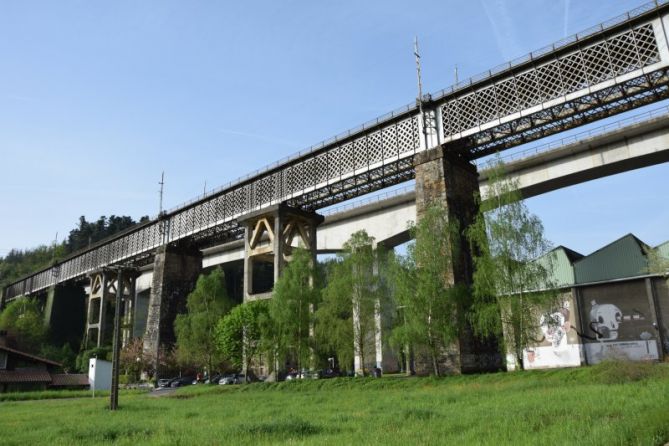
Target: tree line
pixel 331 309
pixel 320 311
pixel 21 262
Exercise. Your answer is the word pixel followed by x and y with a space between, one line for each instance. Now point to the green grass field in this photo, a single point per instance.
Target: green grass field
pixel 615 404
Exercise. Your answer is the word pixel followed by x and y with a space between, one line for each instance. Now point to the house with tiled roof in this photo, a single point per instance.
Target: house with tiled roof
pixel 21 371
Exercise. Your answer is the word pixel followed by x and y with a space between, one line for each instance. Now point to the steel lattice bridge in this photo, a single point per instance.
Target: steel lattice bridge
pixel 611 68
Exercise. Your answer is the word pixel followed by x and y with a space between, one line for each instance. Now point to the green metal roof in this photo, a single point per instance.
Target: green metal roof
pixel 560 262
pixel 620 259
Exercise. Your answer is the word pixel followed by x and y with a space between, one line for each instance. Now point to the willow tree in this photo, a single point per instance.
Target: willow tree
pixel 209 301
pixel 291 308
pixel 511 290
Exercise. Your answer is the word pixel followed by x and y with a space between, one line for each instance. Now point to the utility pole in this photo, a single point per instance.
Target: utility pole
pixel 456 75
pixel 113 403
pixel 416 54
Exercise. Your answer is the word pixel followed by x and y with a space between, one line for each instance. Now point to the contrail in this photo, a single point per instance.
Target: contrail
pixel 566 18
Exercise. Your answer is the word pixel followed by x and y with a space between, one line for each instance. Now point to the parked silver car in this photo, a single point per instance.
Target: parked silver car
pixel 235 378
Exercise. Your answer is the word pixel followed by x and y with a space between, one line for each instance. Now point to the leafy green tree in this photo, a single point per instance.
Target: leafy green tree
pixel 351 298
pixel 292 306
pixel 23 320
pixel 209 301
pixel 239 333
pixel 657 263
pixel 511 290
pixel 64 355
pixel 431 305
pixel 401 282
pixel 83 357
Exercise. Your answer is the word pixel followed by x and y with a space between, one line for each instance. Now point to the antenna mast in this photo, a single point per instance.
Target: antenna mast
pixel 162 184
pixel 420 89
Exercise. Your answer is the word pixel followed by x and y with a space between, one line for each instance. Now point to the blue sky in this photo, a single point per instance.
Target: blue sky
pixel 97 98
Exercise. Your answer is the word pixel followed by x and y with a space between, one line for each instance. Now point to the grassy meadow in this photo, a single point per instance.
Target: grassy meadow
pixel 612 404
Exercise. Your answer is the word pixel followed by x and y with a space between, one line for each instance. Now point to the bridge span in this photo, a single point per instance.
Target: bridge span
pixel 629 144
pixel 606 70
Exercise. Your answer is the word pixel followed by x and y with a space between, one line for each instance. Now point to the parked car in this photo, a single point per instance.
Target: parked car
pixel 310 374
pixel 183 381
pixel 215 378
pixel 234 378
pixel 328 373
pixel 165 382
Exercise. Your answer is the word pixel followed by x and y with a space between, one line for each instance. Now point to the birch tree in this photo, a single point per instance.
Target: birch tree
pixel 511 290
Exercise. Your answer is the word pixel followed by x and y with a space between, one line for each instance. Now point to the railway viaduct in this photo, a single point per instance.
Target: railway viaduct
pixel 436 142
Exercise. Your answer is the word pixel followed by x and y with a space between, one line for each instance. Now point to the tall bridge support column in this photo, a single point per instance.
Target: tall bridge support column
pixel 101 298
pixel 65 312
pixel 447 180
pixel 175 273
pixel 269 238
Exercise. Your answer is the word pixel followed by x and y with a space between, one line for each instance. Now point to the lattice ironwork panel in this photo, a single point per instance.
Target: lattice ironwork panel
pixel 487 104
pixel 286 185
pixel 646 45
pixel 238 201
pixel 468 111
pixel 507 99
pixel 264 190
pixel 549 80
pixel 307 173
pixel 320 168
pixel 347 158
pixel 296 178
pixel 570 73
pixel 528 89
pixel 360 150
pixel 407 135
pixel 623 54
pixel 375 146
pixel 573 73
pixel 390 144
pixel 451 115
pixel 597 64
pixel 334 162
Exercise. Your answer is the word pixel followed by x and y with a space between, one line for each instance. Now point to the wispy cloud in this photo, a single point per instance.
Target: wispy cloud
pixel 260 137
pixel 503 28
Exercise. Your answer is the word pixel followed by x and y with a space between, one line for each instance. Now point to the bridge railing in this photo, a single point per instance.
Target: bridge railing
pixel 576 137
